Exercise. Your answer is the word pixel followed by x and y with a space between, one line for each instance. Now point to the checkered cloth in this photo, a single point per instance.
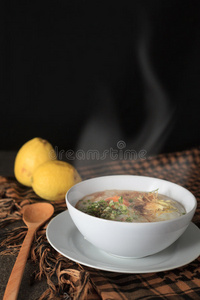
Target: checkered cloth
pixel 80 282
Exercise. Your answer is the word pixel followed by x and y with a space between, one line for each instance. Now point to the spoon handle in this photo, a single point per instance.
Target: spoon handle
pixel 15 278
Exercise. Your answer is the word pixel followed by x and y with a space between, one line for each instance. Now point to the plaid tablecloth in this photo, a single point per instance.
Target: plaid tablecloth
pixel 69 280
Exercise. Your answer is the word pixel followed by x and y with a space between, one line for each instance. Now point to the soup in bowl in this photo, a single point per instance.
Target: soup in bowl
pixel 130 216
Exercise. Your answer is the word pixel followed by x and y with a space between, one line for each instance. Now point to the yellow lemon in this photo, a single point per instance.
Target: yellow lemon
pixel 32 154
pixel 53 179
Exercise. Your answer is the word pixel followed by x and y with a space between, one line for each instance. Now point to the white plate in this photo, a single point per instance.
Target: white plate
pixel 63 236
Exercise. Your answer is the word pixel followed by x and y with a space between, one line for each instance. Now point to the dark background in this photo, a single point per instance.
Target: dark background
pixel 86 74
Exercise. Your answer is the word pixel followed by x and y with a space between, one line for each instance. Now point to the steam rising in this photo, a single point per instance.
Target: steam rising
pixel 102 130
pixel 160 111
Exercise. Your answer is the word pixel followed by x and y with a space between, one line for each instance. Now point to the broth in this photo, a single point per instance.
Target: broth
pixel 131 206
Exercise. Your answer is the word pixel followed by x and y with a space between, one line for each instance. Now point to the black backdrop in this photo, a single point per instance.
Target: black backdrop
pixel 86 74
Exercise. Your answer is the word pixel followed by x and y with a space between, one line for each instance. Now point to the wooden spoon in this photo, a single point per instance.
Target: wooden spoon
pixel 34 216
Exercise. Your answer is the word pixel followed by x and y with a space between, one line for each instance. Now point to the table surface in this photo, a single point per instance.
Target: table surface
pixel 182 168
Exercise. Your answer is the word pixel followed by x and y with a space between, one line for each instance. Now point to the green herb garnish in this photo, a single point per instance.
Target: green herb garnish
pixel 120 200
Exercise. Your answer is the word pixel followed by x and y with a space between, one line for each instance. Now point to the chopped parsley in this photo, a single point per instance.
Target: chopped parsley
pixel 106 210
pixel 129 219
pixel 120 199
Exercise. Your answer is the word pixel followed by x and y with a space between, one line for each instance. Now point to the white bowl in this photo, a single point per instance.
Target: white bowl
pixel 126 239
